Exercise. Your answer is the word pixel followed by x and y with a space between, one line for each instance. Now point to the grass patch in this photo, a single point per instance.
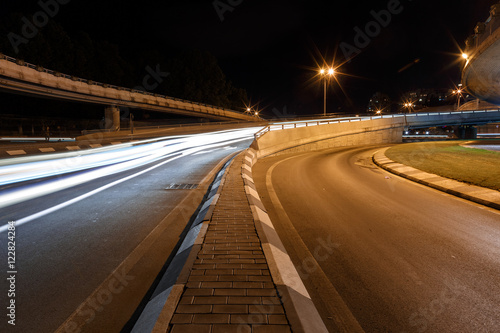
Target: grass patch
pixel 449 159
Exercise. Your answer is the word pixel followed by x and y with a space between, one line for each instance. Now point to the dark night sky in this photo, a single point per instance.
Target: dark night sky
pixel 270 48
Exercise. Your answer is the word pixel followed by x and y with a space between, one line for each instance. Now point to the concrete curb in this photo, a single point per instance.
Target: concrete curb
pixel 300 310
pixel 480 195
pixel 161 306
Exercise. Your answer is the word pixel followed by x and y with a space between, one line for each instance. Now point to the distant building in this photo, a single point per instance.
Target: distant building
pixel 422 98
pixel 379 102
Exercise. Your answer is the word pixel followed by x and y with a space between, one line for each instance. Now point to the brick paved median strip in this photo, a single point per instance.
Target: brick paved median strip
pixel 229 287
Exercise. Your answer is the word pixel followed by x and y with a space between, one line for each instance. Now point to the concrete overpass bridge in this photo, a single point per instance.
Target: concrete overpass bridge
pixel 481 74
pixel 302 136
pixel 20 77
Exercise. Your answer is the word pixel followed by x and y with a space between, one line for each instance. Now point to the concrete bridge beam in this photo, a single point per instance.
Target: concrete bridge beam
pixel 467 132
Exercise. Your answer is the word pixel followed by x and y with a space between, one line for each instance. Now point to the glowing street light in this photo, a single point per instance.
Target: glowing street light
pixel 326 74
pixel 465 56
pixel 458 92
pixel 409 106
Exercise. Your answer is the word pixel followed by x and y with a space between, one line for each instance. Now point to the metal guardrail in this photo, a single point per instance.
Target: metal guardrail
pixel 318 122
pixel 20 62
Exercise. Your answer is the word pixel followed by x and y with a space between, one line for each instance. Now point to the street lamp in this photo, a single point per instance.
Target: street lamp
pixel 409 106
pixel 458 92
pixel 326 74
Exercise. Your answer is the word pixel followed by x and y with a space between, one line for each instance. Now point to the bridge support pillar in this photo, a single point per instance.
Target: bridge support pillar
pixel 467 132
pixel 112 118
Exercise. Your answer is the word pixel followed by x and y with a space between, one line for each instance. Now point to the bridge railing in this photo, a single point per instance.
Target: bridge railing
pixel 20 62
pixel 319 122
pixel 483 30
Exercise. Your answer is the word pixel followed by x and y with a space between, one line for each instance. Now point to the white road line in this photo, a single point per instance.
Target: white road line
pixel 187 152
pixel 340 310
pixel 84 196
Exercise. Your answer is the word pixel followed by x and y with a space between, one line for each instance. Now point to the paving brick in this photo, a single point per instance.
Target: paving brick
pixel 186 300
pixel 255 266
pixel 271 329
pixel 230 292
pixel 201 278
pixel 190 328
pixel 269 309
pixel 242 261
pixel 198 292
pixel 209 300
pixel 232 329
pixel 250 319
pixel 277 320
pixel 218 285
pixel 262 292
pixel 182 319
pixel 244 300
pixel 247 285
pixel 271 300
pixel 193 284
pixel 247 272
pixel 239 278
pixel 256 278
pixel 203 266
pixel 230 308
pixel 228 266
pixel 181 308
pixel 212 318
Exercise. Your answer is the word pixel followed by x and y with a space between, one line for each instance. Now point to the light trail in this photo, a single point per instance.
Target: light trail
pixel 138 156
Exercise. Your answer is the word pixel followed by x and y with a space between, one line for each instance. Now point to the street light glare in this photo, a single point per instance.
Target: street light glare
pixel 322 71
pixel 331 71
pixel 465 56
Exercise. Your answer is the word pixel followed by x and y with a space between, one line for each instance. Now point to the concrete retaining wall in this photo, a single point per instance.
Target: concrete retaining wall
pixel 329 136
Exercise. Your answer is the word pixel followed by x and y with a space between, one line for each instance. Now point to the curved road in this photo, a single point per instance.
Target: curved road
pixel 398 256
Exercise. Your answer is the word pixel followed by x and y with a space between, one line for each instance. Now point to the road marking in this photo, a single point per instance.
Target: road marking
pixel 16 152
pixel 84 196
pixel 342 316
pixel 131 260
pixel 46 150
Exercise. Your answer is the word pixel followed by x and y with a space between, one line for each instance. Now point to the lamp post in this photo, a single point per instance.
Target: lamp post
pixel 459 96
pixel 326 74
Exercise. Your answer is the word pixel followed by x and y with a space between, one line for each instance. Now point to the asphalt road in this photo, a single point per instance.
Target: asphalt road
pixel 397 256
pixel 93 260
